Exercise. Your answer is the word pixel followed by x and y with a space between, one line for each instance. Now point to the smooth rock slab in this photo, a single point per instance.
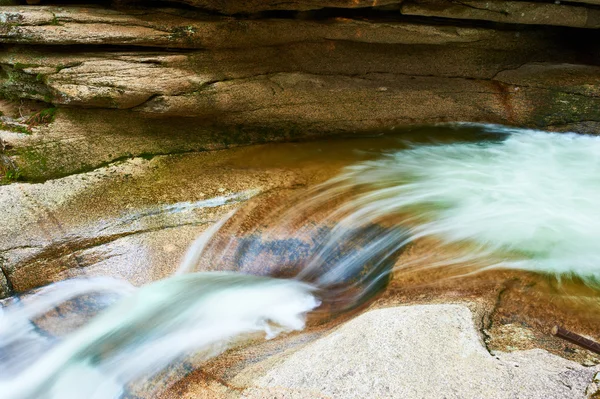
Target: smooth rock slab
pixel 426 351
pixel 133 219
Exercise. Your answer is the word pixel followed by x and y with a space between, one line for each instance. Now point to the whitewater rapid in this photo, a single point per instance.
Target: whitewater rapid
pixel 153 326
pixel 528 201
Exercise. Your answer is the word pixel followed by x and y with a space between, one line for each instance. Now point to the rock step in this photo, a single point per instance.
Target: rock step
pixel 326 99
pixel 256 6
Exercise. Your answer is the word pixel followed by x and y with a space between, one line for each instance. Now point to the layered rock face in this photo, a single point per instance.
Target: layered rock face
pixel 87 85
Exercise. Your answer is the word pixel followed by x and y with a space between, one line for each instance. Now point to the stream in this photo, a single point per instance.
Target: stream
pixel 446 204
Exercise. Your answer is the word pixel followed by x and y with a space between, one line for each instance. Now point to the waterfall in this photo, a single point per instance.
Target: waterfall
pixel 521 199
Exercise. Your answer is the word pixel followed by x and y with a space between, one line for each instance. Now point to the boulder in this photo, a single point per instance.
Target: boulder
pixel 424 351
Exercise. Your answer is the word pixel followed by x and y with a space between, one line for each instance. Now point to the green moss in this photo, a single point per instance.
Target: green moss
pixel 8 171
pixel 21 66
pixel 147 155
pixel 54 20
pixel 43 117
pixel 32 163
pixel 49 114
pixel 560 108
pixel 182 32
pixel 14 128
pixel 18 84
pixel 10 176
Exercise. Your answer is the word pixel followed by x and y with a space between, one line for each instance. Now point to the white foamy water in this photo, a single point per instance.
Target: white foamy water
pixel 531 201
pixel 158 324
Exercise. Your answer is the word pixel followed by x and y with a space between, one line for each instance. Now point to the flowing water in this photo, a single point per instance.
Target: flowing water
pixel 481 197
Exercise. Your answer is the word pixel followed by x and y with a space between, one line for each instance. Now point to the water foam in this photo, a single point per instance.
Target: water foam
pixel 158 324
pixel 530 200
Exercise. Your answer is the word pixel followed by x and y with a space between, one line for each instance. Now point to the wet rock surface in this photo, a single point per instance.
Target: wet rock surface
pixel 134 220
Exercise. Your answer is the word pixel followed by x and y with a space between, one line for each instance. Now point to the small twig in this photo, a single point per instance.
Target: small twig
pixel 20 106
pixel 576 339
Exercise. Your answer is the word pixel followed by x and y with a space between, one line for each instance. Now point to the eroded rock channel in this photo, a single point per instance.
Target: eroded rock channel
pixel 129 128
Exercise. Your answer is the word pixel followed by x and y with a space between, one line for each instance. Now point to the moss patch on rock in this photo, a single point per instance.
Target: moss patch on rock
pixel 9 173
pixel 17 84
pixel 556 107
